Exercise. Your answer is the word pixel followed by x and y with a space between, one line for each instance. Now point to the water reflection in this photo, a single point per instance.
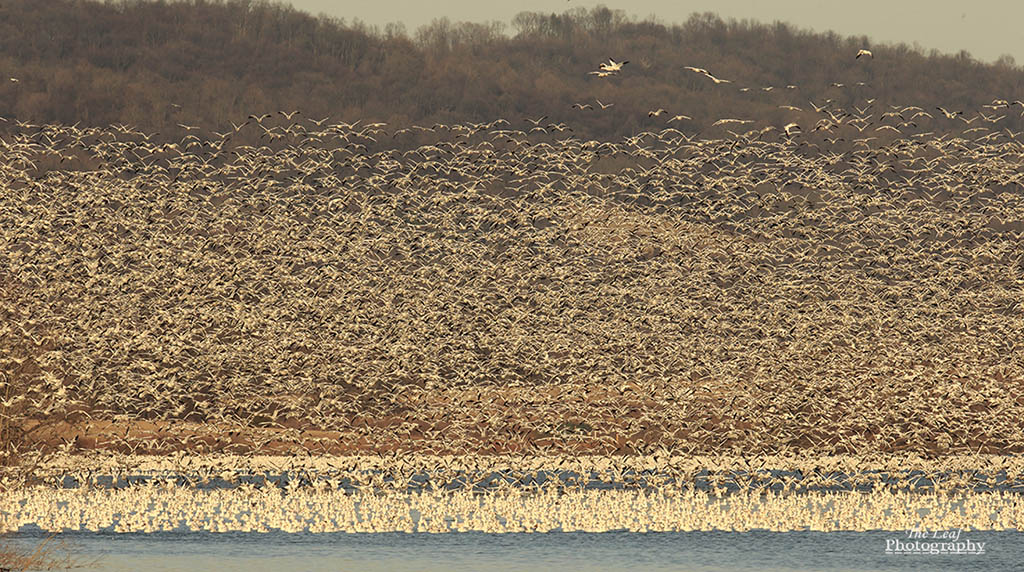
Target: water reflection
pixel 694 551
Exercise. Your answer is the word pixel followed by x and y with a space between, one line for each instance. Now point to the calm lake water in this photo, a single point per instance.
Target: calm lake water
pixel 695 551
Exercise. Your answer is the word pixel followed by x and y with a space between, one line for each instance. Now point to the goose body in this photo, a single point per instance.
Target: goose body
pixel 612 65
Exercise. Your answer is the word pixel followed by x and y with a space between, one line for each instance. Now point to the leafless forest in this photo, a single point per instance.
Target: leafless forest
pixel 158 65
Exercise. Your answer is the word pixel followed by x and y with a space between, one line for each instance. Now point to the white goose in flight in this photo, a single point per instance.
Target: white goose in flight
pixel 706 73
pixel 717 80
pixel 730 121
pixel 612 65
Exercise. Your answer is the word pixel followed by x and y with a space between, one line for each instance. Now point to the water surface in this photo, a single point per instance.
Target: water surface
pixel 693 551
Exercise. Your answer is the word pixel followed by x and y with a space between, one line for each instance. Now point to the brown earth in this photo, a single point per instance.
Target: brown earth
pixel 701 418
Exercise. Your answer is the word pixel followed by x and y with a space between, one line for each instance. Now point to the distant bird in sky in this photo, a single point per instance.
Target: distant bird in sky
pixel 612 65
pixel 863 52
pixel 949 114
pixel 791 128
pixel 656 112
pixel 728 121
pixel 582 106
pixel 706 73
pixel 604 105
pixel 609 68
pixel 679 118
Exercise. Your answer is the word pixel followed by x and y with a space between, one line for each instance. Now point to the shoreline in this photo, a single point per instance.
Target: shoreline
pixel 402 474
pixel 106 460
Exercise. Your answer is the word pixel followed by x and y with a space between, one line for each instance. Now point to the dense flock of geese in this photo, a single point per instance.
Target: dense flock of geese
pixel 507 288
pixel 423 493
pixel 162 505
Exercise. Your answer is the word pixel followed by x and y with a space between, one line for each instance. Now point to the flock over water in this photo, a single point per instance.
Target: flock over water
pixel 850 289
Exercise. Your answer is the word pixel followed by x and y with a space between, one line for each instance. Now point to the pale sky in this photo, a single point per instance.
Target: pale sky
pixel 985 28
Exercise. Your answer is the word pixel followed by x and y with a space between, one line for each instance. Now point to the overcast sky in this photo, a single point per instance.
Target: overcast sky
pixel 985 28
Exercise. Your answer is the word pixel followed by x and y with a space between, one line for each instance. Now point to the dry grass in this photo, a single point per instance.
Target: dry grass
pixel 49 554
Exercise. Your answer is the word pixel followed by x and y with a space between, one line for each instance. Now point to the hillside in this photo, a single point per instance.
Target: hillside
pixel 335 272
pixel 490 292
pixel 158 65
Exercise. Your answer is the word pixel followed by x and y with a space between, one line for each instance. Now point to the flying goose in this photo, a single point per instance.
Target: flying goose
pixel 612 65
pixel 863 52
pixel 717 80
pixel 728 121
